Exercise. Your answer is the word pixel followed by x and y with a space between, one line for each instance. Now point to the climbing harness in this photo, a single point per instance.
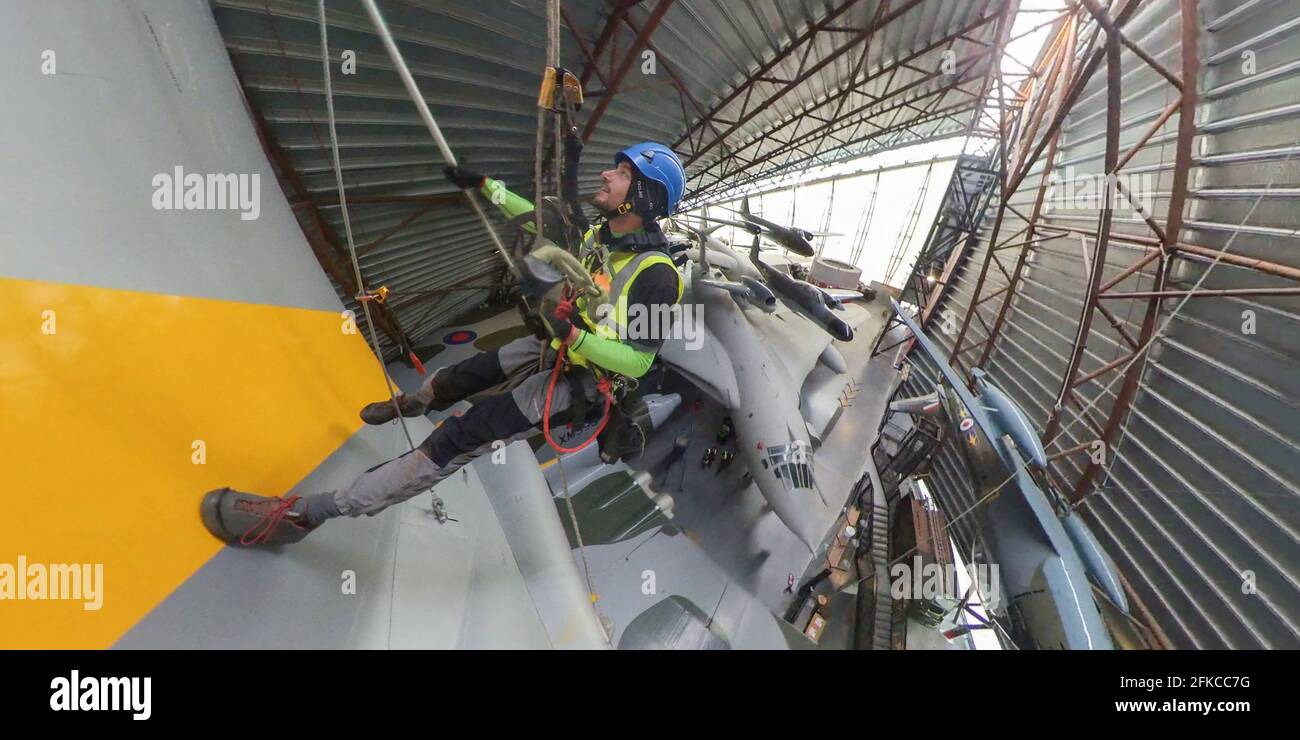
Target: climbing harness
pixel 565 310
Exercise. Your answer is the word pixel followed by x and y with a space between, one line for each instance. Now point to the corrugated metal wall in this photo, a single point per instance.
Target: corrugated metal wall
pixel 1199 504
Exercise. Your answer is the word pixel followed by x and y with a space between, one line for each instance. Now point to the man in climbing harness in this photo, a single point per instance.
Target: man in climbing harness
pixel 593 343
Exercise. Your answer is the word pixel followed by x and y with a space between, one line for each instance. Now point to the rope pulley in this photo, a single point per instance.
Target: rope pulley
pixel 561 91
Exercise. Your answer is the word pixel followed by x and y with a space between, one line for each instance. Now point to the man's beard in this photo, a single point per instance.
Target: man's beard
pixel 608 213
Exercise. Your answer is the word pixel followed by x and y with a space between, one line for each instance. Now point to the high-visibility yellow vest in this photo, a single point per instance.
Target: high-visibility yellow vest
pixel 624 267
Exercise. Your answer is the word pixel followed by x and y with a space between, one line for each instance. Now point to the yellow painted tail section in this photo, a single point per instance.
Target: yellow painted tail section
pixel 121 409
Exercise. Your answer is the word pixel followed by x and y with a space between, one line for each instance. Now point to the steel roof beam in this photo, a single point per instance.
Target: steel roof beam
pixel 606 33
pixel 802 75
pixel 833 125
pixel 682 89
pixel 592 64
pixel 898 128
pixel 628 60
pixel 747 84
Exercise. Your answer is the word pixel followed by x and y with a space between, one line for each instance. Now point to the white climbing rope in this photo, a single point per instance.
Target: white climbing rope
pixel 347 222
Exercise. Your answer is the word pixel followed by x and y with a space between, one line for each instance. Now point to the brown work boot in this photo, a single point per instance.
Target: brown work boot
pixel 382 412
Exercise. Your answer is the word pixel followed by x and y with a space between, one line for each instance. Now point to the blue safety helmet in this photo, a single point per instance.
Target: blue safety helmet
pixel 653 163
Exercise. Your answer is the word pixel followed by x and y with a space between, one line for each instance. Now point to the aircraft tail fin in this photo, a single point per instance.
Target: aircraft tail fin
pixel 744 206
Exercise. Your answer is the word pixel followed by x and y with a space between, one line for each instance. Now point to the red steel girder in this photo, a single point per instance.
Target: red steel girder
pixel 834 125
pixel 748 115
pixel 788 164
pixel 1062 64
pixel 807 138
pixel 1155 249
pixel 663 61
pixel 747 85
pixel 606 33
pixel 592 64
pixel 1004 134
pixel 881 8
pixel 1173 225
pixel 625 66
pixel 1012 179
pixel 851 120
pixel 1114 96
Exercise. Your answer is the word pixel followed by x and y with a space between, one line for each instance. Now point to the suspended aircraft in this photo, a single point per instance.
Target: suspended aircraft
pixel 764 332
pixel 793 238
pixel 1061 588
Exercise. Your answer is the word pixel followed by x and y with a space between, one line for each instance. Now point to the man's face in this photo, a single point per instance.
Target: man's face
pixel 613 188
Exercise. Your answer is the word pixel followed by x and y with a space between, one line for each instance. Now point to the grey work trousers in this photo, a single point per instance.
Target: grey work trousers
pixel 459 439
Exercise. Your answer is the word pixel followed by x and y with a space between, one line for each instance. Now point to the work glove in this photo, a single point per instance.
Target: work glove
pixel 464 178
pixel 538 323
pixel 561 327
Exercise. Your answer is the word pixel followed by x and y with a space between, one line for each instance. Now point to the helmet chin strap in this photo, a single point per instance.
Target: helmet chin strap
pixel 616 211
pixel 637 195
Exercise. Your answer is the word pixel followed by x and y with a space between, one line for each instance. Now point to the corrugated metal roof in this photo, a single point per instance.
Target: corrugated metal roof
pixel 479 65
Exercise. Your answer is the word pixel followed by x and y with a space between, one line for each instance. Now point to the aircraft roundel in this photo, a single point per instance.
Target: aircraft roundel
pixel 460 336
pixel 967 423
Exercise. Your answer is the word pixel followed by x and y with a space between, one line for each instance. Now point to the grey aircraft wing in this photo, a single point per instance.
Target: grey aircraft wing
pixel 700 357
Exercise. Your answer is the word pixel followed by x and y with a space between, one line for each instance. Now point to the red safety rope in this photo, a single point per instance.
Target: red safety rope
pixel 564 311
